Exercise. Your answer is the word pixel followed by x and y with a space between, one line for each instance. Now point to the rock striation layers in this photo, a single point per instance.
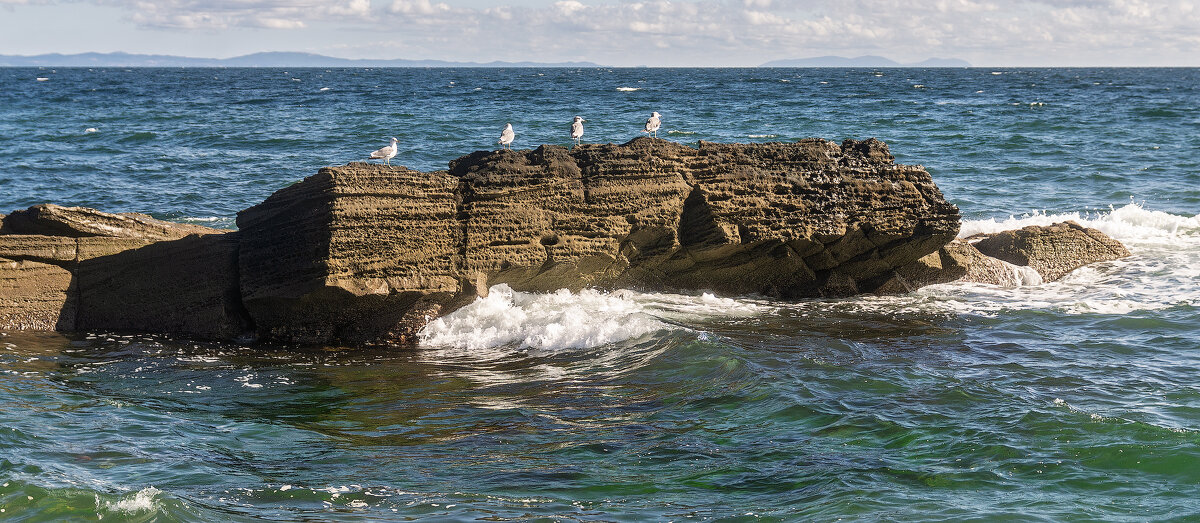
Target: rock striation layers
pixel 366 254
pixel 72 268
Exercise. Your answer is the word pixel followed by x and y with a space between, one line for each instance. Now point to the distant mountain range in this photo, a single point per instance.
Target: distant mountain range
pixel 270 59
pixel 863 61
pixel 288 59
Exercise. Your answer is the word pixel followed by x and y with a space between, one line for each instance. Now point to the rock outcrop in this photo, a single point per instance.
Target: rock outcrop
pixel 72 268
pixel 1054 250
pixel 1027 256
pixel 368 254
pixel 959 260
pixel 354 254
pixel 78 222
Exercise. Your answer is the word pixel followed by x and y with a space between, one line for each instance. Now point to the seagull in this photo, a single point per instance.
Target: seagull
pixel 577 129
pixel 507 135
pixel 387 153
pixel 653 123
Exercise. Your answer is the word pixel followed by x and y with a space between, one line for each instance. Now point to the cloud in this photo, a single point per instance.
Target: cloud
pixel 224 14
pixel 719 32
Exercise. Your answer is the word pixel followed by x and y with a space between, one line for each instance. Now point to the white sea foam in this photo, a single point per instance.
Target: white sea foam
pixel 553 321
pixel 762 136
pixel 566 320
pixel 90 130
pixel 1162 272
pixel 629 89
pixel 1131 222
pixel 142 501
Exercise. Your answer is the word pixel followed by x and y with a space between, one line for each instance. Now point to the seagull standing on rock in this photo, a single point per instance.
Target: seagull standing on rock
pixel 507 136
pixel 387 153
pixel 652 124
pixel 577 129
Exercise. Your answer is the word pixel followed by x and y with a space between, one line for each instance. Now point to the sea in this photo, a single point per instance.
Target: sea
pixel 1076 400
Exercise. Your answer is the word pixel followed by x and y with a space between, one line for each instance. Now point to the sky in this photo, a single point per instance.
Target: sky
pixel 622 32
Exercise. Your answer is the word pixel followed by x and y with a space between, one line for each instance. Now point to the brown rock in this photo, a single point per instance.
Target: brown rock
pixel 36 296
pixel 347 254
pixel 187 286
pixel 1053 251
pixel 367 253
pixel 134 280
pixel 960 261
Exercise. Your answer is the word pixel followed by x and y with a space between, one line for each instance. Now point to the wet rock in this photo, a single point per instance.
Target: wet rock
pixel 961 261
pixel 1054 250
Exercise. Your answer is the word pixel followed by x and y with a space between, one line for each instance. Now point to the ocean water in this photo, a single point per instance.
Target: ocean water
pixel 1072 400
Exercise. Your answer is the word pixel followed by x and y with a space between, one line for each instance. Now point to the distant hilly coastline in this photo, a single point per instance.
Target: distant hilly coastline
pixel 268 59
pixel 292 59
pixel 863 61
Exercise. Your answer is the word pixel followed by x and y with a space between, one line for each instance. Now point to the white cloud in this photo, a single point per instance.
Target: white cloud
pixel 720 32
pixel 419 7
pixel 224 14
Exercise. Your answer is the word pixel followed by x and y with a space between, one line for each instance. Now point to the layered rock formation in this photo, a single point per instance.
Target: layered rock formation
pixel 71 268
pixel 368 254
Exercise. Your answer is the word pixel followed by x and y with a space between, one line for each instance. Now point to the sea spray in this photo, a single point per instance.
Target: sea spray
pixel 566 320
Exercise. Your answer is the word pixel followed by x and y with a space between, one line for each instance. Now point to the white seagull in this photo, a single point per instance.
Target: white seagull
pixel 653 123
pixel 387 153
pixel 577 129
pixel 507 135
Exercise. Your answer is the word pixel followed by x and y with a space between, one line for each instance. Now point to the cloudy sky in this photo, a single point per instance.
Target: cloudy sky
pixel 622 32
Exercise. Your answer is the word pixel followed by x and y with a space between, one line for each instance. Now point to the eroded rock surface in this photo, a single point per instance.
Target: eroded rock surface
pixel 959 260
pixel 352 254
pixel 369 253
pixel 1028 256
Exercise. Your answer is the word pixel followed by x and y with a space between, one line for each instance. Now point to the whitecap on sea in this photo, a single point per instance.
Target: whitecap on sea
pixel 571 320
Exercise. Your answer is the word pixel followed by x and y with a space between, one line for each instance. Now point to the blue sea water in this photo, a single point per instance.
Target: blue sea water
pixel 1072 400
